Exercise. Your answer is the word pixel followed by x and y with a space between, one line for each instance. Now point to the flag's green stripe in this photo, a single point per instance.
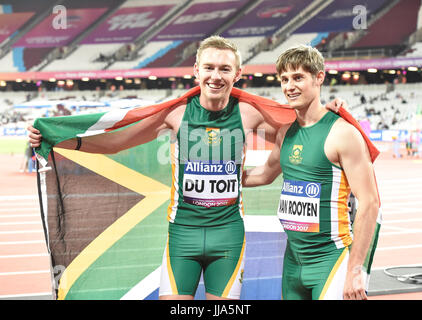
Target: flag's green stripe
pixel 57 129
pixel 127 262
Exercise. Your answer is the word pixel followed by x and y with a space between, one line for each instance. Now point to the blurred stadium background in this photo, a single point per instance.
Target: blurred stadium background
pixel 61 57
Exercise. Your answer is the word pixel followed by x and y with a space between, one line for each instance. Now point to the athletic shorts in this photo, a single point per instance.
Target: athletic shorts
pixel 320 279
pixel 217 251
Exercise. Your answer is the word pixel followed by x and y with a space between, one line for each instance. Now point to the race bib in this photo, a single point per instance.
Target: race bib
pixel 210 184
pixel 299 206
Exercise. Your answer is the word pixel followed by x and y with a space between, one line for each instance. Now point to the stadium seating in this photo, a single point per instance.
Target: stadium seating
pixel 171 53
pixel 246 46
pixel 169 56
pixel 148 54
pixel 415 51
pixel 384 110
pixel 392 28
pixel 85 57
pixel 266 56
pixel 7 63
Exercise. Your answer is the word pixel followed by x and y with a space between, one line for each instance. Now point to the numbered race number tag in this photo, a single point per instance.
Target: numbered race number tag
pixel 210 184
pixel 299 206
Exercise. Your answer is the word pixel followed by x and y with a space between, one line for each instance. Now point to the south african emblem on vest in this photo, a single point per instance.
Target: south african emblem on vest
pixel 212 136
pixel 296 156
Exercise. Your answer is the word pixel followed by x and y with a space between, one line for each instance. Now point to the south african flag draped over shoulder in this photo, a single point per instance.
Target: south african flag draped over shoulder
pixel 104 215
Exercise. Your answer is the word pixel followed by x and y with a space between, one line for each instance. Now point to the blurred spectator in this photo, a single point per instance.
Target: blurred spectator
pixel 419 139
pixel 414 140
pixel 27 159
pixel 61 110
pixel 396 147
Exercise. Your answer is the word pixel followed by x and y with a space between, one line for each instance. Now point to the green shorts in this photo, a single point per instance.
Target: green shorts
pixel 314 279
pixel 217 251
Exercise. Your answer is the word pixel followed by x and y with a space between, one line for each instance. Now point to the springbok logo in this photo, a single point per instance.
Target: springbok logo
pixel 296 156
pixel 212 136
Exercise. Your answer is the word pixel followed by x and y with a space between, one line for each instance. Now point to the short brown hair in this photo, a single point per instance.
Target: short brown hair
pixel 307 57
pixel 221 43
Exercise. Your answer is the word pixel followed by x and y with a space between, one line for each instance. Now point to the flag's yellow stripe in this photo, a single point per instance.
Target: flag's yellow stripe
pixel 155 194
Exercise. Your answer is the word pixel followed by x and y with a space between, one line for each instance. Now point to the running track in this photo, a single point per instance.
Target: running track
pixel 24 263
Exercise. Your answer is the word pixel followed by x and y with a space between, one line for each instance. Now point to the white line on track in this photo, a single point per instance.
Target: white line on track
pixel 394 233
pixel 23 295
pixel 18 198
pixel 401 220
pixel 23 272
pixel 389 227
pixel 399 211
pixel 6 243
pixel 400 266
pixel 399 247
pixel 18 215
pixel 31 255
pixel 19 223
pixel 400 181
pixel 20 209
pixel 32 204
pixel 22 231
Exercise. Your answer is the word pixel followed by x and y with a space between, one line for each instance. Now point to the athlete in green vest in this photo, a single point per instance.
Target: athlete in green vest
pixel 206 232
pixel 323 159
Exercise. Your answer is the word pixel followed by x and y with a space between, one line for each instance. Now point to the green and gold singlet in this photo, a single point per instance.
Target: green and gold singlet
pixel 206 234
pixel 314 213
pixel 207 163
pixel 313 204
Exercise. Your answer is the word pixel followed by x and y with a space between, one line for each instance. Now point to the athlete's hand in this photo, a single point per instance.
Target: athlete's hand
pixel 336 104
pixel 34 136
pixel 354 287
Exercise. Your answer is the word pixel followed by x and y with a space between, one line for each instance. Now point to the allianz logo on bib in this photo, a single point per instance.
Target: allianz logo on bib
pixel 312 190
pixel 223 168
pixel 302 188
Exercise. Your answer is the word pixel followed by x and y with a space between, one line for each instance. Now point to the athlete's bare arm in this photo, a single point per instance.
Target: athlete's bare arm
pixel 266 173
pixel 115 141
pixel 345 146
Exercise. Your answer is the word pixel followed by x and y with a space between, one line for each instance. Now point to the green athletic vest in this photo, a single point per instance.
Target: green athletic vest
pixel 313 203
pixel 207 163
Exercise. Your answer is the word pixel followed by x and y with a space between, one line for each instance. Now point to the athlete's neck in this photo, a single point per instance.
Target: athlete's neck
pixel 310 115
pixel 213 104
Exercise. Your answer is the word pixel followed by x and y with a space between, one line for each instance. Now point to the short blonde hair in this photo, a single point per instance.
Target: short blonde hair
pixel 220 43
pixel 307 57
